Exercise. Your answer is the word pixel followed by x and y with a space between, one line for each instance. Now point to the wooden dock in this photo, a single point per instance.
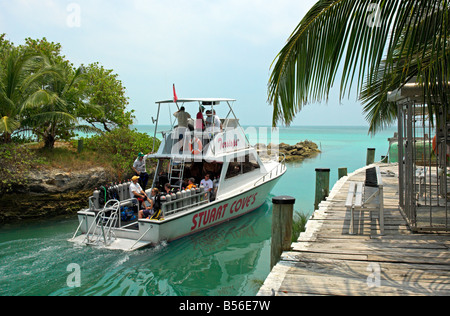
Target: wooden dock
pixel 326 260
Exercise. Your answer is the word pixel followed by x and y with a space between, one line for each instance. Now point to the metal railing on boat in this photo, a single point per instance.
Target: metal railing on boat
pixel 171 207
pixel 274 172
pixel 103 222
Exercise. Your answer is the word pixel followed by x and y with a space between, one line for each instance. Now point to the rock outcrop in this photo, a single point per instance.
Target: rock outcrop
pixel 61 181
pixel 51 193
pixel 294 153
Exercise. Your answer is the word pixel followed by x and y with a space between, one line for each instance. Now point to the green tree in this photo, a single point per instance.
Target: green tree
pixel 18 80
pixel 122 146
pixel 55 107
pixel 105 90
pixel 380 45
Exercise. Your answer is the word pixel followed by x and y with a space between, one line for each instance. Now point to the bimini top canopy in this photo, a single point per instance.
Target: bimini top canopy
pixel 203 101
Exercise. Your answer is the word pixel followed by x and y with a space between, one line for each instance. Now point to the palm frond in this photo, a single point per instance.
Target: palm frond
pixel 53 116
pixel 87 129
pixel 43 98
pixel 337 37
pixel 8 124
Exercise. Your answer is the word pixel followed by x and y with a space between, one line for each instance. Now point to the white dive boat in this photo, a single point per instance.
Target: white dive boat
pixel 243 180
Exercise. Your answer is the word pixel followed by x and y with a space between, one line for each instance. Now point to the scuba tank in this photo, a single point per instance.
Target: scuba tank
pixel 96 199
pixel 160 200
pixel 183 195
pixel 173 197
pixel 202 190
pixel 179 203
pixel 163 200
pixel 188 195
pixel 168 207
pixel 127 191
pixel 120 189
pixel 197 195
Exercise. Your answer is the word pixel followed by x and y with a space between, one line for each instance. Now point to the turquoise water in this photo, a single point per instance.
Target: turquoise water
pixel 231 259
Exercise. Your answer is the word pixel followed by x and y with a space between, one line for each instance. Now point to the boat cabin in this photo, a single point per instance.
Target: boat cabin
pixel 201 148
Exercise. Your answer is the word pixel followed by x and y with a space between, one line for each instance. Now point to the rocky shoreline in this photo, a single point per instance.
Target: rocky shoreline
pixel 50 193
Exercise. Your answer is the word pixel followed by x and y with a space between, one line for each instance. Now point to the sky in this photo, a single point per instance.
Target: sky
pixel 207 48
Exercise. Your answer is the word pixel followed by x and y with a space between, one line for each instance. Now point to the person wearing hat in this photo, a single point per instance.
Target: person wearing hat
pixel 213 124
pixel 137 193
pixel 140 169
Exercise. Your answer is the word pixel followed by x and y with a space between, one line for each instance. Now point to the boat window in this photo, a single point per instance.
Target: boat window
pixel 235 168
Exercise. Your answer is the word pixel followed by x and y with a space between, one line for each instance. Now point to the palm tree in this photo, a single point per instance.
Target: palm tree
pixel 54 109
pixel 380 45
pixel 16 84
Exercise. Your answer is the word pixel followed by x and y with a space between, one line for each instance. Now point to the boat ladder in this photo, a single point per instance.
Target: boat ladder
pixel 101 230
pixel 176 172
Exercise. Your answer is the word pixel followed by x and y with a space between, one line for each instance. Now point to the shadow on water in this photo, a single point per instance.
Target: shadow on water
pixel 230 259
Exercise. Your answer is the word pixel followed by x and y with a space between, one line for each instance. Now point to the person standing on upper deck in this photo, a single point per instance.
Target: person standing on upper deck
pixel 139 167
pixel 183 125
pixel 200 122
pixel 182 117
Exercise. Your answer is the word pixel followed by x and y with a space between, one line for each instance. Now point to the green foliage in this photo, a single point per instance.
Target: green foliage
pixel 18 73
pixel 41 91
pixel 122 146
pixel 105 90
pixel 298 225
pixel 15 164
pixel 380 45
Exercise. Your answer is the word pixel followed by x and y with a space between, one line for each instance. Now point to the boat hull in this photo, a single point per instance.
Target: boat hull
pixel 206 216
pixel 153 232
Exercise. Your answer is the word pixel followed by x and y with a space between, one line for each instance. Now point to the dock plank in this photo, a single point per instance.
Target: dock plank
pixel 326 260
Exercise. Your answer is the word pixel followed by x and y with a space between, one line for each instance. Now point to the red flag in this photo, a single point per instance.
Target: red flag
pixel 175 98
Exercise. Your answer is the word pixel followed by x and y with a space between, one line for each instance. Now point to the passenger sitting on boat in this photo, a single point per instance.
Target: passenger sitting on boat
pixel 167 188
pixel 213 124
pixel 137 192
pixel 149 210
pixel 191 184
pixel 207 183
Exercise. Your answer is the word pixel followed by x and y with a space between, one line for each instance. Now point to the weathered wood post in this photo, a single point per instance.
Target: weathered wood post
pixel 370 156
pixel 282 220
pixel 322 186
pixel 342 172
pixel 80 145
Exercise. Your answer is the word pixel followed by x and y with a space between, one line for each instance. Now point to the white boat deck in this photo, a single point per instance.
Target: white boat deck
pixel 123 244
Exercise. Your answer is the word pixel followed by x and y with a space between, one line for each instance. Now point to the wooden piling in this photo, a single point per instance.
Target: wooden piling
pixel 342 172
pixel 370 156
pixel 282 220
pixel 80 145
pixel 322 186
